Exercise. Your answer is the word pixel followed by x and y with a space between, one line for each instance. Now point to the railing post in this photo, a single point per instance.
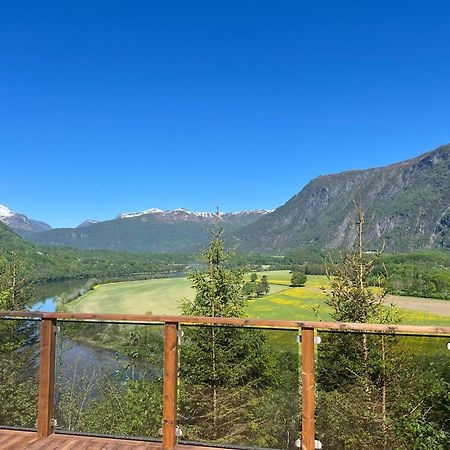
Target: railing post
pixel 169 439
pixel 308 432
pixel 46 377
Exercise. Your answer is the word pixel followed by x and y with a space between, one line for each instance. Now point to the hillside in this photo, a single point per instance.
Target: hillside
pixel 10 241
pixel 407 206
pixel 147 231
pixel 44 263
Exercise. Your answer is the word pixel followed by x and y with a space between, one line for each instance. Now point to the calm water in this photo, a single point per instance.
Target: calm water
pixel 73 356
pixel 46 294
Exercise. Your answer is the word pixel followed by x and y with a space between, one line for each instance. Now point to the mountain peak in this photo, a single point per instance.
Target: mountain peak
pixel 20 223
pixel 187 212
pixel 5 212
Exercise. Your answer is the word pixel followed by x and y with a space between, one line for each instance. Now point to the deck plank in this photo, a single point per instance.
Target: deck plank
pixel 26 440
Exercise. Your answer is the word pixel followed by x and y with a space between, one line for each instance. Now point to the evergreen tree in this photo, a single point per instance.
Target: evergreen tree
pixel 265 286
pixel 368 383
pixel 224 370
pixel 18 353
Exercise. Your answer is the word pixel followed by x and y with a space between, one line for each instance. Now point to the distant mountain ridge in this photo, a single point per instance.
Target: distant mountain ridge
pixel 407 207
pixel 20 223
pixel 151 230
pixel 185 214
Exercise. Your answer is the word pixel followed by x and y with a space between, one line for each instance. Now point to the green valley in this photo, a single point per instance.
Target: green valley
pixel 162 296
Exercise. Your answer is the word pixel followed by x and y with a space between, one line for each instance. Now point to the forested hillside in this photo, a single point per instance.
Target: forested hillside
pixel 49 263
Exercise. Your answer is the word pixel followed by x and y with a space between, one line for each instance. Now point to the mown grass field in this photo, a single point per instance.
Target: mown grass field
pixel 283 278
pixel 161 296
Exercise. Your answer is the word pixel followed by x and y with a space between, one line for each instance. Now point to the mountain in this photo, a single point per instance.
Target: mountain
pixel 152 230
pixel 10 241
pixel 20 223
pixel 407 207
pixel 86 223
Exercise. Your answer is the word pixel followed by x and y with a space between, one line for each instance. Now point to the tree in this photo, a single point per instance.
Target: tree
pixel 350 360
pixel 249 289
pixel 263 287
pixel 224 370
pixel 298 279
pixel 18 353
pixel 265 284
pixel 368 384
pixel 253 277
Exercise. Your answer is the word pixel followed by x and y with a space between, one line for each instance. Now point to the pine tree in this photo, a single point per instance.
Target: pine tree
pixel 18 353
pixel 265 286
pixel 224 370
pixel 360 375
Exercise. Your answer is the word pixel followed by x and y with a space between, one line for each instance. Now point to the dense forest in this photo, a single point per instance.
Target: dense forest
pixel 420 274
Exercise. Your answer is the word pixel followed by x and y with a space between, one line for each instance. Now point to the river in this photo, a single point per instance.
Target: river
pixel 74 356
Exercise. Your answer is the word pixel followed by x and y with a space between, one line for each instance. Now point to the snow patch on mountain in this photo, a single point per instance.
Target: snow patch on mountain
pixel 6 212
pixel 186 212
pixel 20 222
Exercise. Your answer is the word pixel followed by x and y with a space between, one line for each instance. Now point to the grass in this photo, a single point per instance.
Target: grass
pixel 291 303
pixel 283 278
pixel 161 296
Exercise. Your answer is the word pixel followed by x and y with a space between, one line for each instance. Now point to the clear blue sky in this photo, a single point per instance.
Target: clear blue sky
pixel 110 106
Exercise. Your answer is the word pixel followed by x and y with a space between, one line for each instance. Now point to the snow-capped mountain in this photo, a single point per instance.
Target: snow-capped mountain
pixel 183 212
pixel 20 223
pixel 151 230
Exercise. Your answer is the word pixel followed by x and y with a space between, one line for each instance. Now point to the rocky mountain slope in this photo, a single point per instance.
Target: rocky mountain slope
pixel 151 230
pixel 407 207
pixel 20 223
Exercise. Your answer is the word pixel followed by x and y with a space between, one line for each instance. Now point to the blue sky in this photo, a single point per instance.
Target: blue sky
pixel 111 106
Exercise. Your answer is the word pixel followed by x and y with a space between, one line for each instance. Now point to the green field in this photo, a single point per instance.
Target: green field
pixel 161 296
pixel 283 277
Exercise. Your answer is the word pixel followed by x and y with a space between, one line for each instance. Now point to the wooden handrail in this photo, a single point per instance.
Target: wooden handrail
pixel 171 323
pixel 241 322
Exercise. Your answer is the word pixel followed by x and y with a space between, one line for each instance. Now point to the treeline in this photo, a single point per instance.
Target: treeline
pixel 45 263
pixel 419 274
pixel 64 263
pixel 312 262
pixel 422 274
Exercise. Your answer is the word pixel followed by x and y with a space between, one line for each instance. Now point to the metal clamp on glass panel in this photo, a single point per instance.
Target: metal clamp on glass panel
pixel 317 339
pixel 180 333
pixel 317 444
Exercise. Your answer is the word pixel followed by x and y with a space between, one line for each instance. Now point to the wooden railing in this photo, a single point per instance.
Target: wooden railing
pixel 48 324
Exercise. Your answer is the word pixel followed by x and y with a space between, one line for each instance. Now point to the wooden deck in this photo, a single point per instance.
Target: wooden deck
pixel 21 440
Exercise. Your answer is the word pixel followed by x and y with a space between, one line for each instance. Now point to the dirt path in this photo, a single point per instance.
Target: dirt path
pixel 428 305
